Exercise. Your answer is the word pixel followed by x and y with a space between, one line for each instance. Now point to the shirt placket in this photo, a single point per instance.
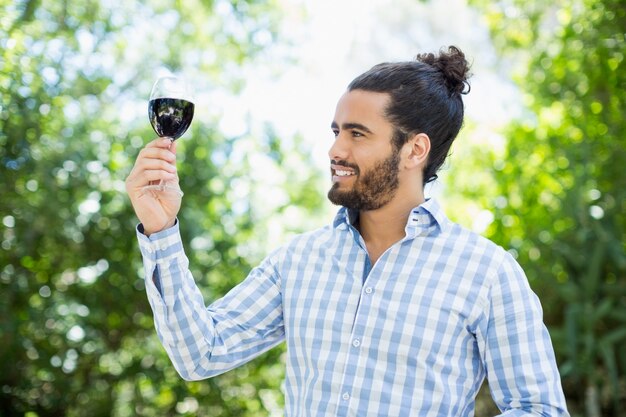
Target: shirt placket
pixel 357 337
pixel 358 342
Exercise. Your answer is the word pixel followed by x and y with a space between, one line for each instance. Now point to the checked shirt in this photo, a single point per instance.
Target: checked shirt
pixel 413 335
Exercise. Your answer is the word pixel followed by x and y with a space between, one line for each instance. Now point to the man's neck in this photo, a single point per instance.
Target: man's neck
pixel 383 227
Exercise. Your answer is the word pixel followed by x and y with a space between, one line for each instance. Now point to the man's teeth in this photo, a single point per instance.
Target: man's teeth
pixel 343 173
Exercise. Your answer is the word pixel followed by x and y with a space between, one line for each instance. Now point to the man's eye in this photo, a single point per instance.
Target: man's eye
pixel 335 132
pixel 356 134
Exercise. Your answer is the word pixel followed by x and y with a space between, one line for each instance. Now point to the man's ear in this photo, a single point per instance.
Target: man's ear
pixel 417 149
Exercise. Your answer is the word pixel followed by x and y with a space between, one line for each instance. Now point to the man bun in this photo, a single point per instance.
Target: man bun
pixel 454 67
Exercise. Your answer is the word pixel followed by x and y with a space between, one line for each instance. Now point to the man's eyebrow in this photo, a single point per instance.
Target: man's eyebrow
pixel 348 126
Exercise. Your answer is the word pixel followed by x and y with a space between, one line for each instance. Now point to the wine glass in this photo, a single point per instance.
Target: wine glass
pixel 170 110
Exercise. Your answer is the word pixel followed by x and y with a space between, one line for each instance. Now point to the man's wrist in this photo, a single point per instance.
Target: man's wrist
pixel 148 232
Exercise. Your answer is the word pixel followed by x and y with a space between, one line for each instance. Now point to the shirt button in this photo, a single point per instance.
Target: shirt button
pixel 356 343
pixel 345 396
pixel 368 290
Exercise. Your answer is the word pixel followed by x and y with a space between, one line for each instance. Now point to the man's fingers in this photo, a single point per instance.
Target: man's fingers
pixel 156 174
pixel 160 143
pixel 144 164
pixel 145 177
pixel 157 153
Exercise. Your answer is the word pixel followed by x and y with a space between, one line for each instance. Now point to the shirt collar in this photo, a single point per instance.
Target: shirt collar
pixel 426 218
pixel 344 218
pixel 422 220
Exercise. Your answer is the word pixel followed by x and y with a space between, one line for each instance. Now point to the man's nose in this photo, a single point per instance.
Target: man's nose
pixel 339 150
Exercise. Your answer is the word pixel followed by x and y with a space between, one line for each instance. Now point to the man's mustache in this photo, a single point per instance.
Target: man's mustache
pixel 345 164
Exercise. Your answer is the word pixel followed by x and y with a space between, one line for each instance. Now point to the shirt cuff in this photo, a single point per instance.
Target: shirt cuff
pixel 157 235
pixel 156 250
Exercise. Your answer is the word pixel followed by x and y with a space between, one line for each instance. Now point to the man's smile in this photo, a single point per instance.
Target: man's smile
pixel 340 172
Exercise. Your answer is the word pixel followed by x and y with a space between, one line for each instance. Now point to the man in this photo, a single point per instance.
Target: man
pixel 393 310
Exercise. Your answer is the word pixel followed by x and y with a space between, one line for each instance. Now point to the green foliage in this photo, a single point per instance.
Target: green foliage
pixel 76 331
pixel 559 189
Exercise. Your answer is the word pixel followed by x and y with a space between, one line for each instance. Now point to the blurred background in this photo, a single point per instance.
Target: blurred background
pixel 539 168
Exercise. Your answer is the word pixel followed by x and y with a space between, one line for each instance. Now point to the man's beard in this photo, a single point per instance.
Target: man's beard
pixel 372 189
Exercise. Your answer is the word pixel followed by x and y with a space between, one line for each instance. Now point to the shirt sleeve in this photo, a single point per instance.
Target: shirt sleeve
pixel 517 350
pixel 205 341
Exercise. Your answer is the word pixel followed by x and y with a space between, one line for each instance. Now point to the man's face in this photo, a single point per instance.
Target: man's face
pixel 364 163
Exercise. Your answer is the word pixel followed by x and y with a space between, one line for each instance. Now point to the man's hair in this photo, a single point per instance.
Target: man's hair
pixel 425 97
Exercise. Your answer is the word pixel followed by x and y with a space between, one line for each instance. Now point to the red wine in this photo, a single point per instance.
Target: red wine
pixel 170 117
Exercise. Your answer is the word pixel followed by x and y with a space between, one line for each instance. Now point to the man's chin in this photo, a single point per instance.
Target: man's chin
pixel 332 197
pixel 337 197
pixel 342 198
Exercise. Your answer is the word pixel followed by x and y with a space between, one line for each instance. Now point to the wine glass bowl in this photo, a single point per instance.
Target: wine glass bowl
pixel 171 107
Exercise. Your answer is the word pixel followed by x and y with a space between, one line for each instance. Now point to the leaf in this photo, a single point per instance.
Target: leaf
pixel 602 310
pixel 613 336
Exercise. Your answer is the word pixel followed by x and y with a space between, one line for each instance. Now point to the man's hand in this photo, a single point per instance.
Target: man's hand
pixel 156 162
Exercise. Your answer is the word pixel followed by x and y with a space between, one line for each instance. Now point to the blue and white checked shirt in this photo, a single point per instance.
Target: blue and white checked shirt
pixel 413 335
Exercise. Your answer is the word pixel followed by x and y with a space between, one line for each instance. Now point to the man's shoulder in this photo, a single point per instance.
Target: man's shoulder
pixel 480 254
pixel 453 233
pixel 301 248
pixel 303 240
pixel 311 236
pixel 471 242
